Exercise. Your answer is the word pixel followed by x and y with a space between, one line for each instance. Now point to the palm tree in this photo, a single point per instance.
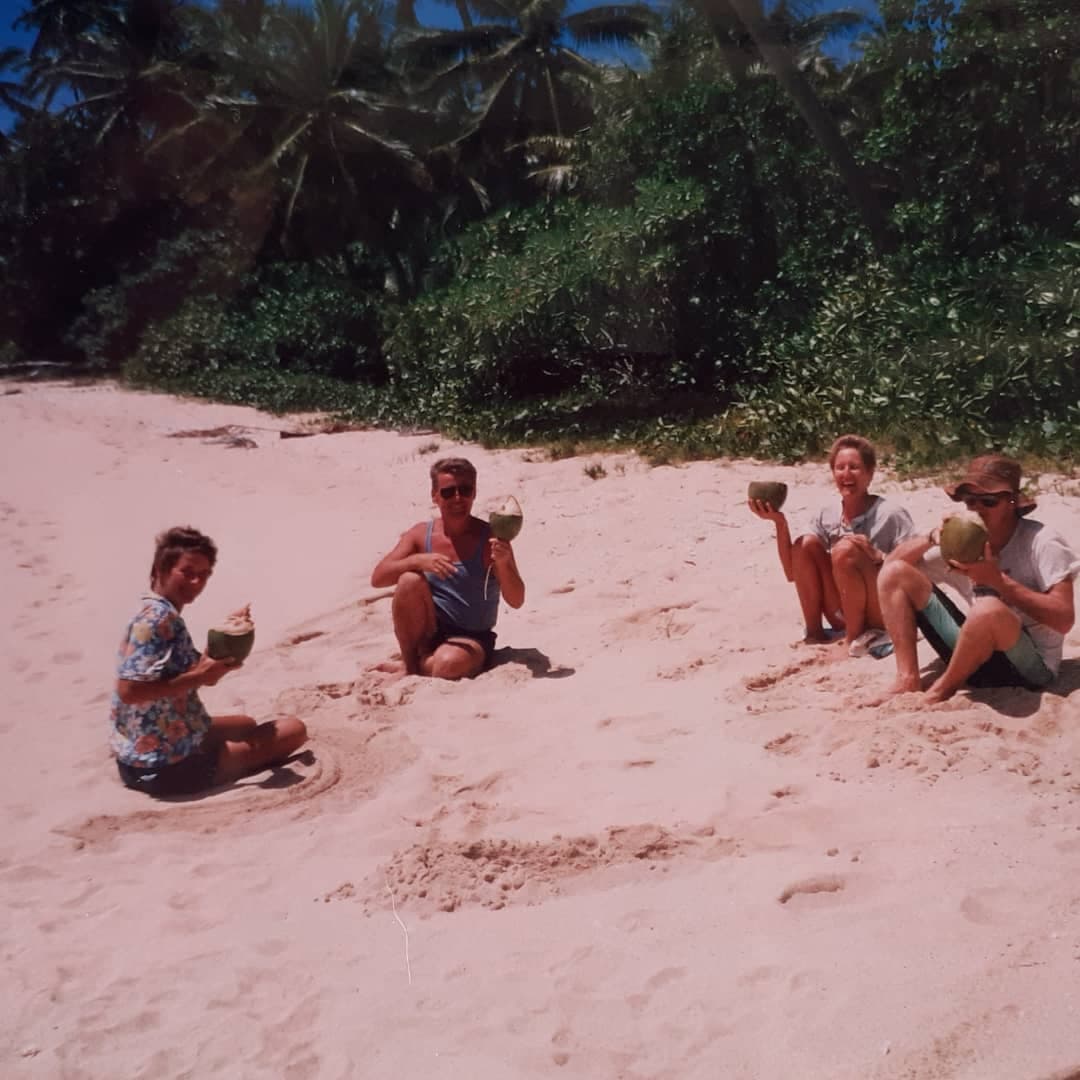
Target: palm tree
pixel 515 73
pixel 125 70
pixel 777 55
pixel 311 105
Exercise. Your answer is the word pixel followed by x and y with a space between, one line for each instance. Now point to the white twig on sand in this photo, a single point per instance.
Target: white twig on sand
pixel 404 930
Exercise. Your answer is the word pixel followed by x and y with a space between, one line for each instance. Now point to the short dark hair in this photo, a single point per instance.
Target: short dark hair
pixel 172 543
pixel 457 467
pixel 854 442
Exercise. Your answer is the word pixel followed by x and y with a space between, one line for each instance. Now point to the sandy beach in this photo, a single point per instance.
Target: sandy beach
pixel 657 841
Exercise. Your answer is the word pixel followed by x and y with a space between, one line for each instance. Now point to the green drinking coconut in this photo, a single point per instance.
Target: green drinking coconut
pixel 233 639
pixel 767 491
pixel 505 521
pixel 963 538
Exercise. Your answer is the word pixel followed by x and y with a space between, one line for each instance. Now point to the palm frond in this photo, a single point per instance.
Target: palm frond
pixel 618 24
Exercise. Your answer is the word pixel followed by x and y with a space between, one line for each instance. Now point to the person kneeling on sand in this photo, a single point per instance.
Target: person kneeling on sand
pixel 449 574
pixel 1019 595
pixel 164 740
pixel 835 565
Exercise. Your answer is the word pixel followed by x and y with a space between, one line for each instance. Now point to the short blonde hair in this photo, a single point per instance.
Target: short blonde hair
pixel 854 442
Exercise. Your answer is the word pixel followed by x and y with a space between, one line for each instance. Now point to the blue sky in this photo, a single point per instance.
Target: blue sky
pixel 430 13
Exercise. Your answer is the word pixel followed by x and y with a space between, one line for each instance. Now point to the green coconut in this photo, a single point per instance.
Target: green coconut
pixel 767 491
pixel 963 538
pixel 506 519
pixel 232 640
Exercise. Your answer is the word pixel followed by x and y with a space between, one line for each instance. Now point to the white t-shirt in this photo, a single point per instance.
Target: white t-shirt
pixel 1037 558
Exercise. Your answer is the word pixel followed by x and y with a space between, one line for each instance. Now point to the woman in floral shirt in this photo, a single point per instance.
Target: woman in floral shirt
pixel 164 740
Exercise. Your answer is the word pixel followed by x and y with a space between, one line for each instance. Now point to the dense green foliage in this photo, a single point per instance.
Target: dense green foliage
pixel 485 230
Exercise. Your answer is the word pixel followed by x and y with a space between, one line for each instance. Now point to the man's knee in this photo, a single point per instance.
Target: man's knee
pixel 991 617
pixel 411 593
pixel 902 577
pixel 455 662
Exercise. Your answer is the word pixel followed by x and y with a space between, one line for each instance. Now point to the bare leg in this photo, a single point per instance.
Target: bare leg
pixel 818 594
pixel 456 658
pixel 989 626
pixel 902 591
pixel 856 577
pixel 244 747
pixel 413 612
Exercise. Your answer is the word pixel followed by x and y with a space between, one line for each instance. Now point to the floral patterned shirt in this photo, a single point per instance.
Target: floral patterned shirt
pixel 157 646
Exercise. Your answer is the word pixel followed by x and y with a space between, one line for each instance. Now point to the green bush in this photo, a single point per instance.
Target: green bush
pixel 937 364
pixel 571 299
pixel 288 318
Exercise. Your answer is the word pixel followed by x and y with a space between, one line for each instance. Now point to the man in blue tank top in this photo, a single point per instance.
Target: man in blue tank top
pixel 445 600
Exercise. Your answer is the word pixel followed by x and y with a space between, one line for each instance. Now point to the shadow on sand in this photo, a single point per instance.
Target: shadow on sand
pixel 281 776
pixel 1019 703
pixel 536 661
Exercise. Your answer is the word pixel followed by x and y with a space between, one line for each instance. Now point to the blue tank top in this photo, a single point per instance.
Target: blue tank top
pixel 459 600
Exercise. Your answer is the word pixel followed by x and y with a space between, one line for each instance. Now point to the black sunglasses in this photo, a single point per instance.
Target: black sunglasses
pixel 988 501
pixel 464 490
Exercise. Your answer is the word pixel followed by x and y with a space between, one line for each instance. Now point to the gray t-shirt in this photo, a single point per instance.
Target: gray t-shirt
pixel 1036 557
pixel 882 524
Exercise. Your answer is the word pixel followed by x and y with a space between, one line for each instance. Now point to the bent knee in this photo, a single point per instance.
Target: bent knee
pixel 898 574
pixel 411 581
pixel 291 730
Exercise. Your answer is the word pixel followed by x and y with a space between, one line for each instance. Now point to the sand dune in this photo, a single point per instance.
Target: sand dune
pixel 656 840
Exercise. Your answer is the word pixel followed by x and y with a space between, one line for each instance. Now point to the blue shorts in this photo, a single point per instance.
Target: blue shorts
pixel 940 622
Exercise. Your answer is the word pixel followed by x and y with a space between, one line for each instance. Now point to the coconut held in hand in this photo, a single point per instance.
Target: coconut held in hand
pixel 506 519
pixel 233 638
pixel 963 538
pixel 767 491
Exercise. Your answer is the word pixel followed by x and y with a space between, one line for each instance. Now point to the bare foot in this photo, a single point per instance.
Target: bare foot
pixel 905 684
pixel 938 693
pixel 390 667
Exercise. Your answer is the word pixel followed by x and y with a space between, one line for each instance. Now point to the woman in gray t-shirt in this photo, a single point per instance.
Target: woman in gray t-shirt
pixel 835 565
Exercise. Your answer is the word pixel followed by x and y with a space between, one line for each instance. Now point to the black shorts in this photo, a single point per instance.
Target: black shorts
pixel 194 773
pixel 485 638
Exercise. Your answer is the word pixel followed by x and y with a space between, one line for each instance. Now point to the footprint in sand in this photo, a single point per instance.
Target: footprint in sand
pixel 809 886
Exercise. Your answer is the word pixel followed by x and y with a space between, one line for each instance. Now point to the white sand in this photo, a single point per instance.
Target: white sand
pixel 656 842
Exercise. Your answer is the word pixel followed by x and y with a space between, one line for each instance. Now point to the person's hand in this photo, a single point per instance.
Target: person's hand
pixel 861 543
pixel 986 572
pixel 431 562
pixel 764 510
pixel 501 552
pixel 210 672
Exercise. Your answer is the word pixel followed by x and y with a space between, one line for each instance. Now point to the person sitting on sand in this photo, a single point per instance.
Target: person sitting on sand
pixel 444 606
pixel 164 740
pixel 1019 595
pixel 835 565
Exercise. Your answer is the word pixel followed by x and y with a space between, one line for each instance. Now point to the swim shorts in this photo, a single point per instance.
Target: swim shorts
pixel 940 622
pixel 486 638
pixel 195 773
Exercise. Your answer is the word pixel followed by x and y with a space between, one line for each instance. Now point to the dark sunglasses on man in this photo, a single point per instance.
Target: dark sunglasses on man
pixel 464 490
pixel 986 501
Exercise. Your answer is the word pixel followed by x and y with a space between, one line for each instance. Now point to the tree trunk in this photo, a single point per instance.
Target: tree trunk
pixel 824 128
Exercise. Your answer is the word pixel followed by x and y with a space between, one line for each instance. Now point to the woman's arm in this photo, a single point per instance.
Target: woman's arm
pixel 783 534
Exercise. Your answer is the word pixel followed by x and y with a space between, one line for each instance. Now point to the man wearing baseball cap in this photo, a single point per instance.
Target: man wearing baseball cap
pixel 1019 595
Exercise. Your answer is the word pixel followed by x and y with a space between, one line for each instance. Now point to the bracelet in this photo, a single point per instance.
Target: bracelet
pixel 986 590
